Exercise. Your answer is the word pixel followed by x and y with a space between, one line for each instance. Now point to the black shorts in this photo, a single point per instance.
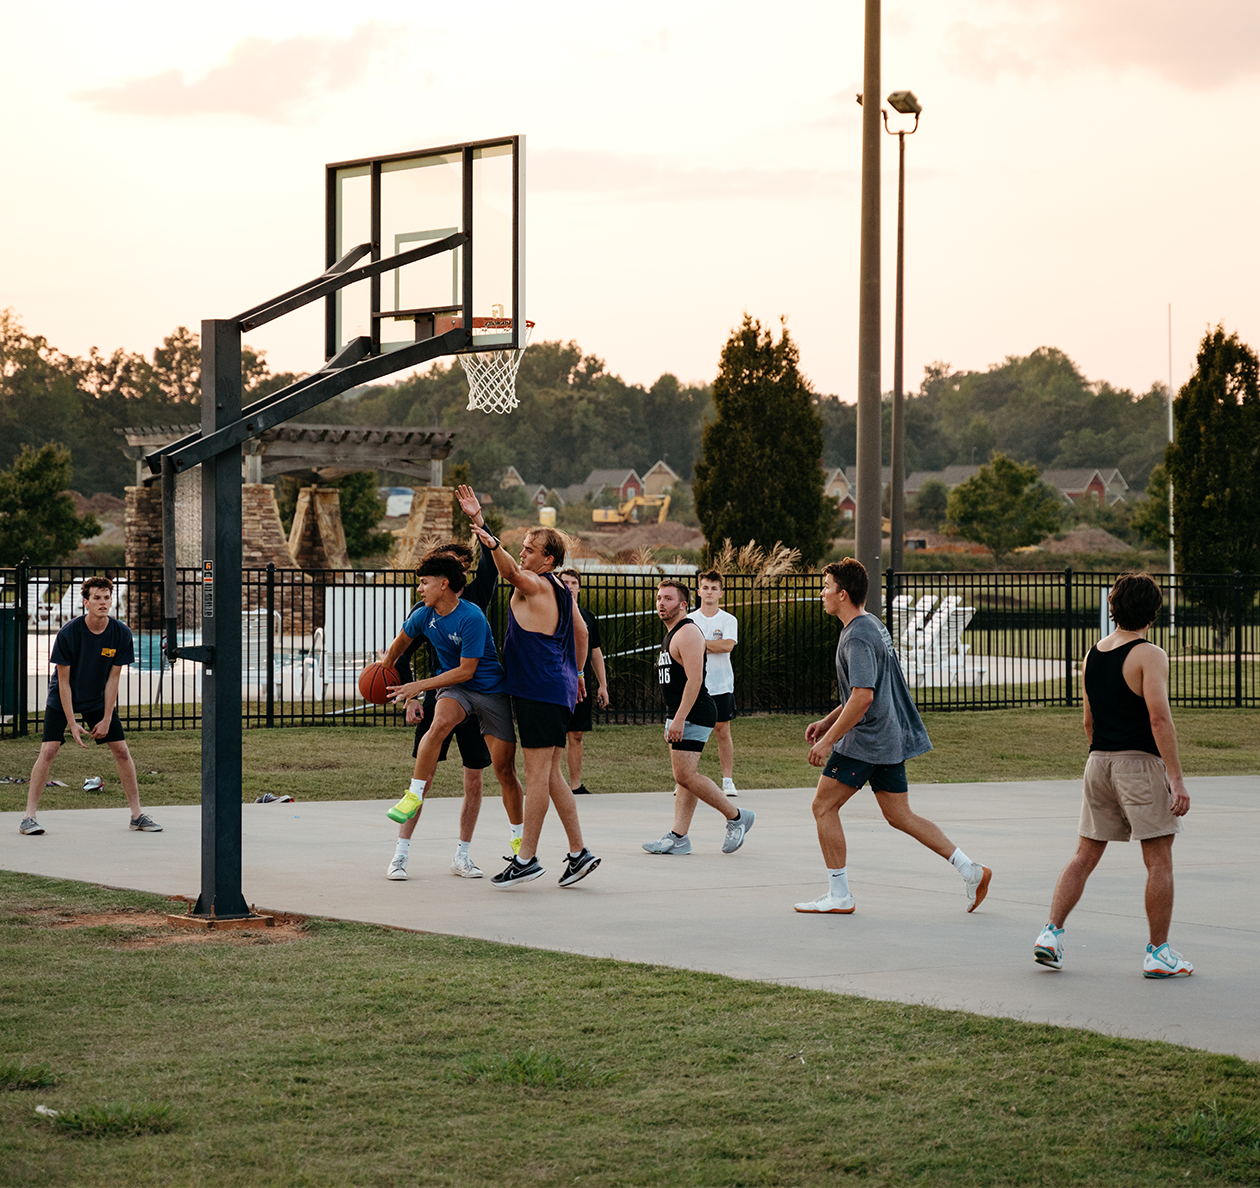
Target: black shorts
pixel 725 703
pixel 583 714
pixel 55 724
pixel 884 777
pixel 473 752
pixel 541 723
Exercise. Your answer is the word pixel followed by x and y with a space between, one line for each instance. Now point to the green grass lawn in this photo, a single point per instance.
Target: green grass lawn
pixel 364 763
pixel 363 1055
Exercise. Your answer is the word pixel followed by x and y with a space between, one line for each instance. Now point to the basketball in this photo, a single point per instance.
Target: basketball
pixel 373 681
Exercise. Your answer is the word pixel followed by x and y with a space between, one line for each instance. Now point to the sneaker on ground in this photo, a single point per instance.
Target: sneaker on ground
pixel 1165 962
pixel 671 843
pixel 464 866
pixel 578 868
pixel 581 790
pixel 977 885
pixel 737 830
pixel 829 904
pixel 1048 950
pixel 728 788
pixel 518 872
pixel 30 827
pixel 405 809
pixel 145 824
pixel 397 869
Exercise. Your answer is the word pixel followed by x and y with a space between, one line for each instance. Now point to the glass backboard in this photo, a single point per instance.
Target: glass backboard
pixel 408 200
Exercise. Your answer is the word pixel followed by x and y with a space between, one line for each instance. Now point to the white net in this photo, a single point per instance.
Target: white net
pixel 492 374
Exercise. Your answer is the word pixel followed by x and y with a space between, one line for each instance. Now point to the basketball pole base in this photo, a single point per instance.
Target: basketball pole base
pixel 207 922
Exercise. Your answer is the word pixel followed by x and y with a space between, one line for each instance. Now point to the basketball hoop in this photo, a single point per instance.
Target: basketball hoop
pixel 492 373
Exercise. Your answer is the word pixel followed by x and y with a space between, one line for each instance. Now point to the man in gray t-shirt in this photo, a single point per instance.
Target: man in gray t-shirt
pixel 869 736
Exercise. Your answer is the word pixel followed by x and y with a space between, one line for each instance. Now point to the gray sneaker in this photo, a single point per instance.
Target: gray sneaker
pixel 30 826
pixel 671 843
pixel 737 830
pixel 145 824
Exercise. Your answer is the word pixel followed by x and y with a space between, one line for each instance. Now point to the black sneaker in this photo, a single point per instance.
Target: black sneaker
pixel 518 872
pixel 578 868
pixel 581 790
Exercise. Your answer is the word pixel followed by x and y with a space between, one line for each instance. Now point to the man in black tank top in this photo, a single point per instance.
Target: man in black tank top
pixel 1133 782
pixel 690 718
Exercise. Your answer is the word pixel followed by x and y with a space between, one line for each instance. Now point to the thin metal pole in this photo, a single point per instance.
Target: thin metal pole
pixel 868 543
pixel 1172 557
pixel 1067 637
pixel 1238 633
pixel 897 542
pixel 271 644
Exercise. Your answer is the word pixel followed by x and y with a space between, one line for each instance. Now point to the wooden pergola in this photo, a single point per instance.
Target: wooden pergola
pixel 331 451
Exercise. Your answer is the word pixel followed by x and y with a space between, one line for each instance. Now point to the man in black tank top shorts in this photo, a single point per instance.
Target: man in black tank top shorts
pixel 1133 782
pixel 690 718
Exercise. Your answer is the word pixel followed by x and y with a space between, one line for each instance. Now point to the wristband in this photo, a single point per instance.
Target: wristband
pixel 494 547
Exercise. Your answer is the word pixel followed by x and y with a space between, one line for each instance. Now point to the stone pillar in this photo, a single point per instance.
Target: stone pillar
pixel 431 520
pixel 317 539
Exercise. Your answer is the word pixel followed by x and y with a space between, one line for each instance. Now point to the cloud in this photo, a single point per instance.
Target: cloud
pixel 269 80
pixel 1200 46
pixel 616 175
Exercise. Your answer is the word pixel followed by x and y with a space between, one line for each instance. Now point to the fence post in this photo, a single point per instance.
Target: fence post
pixel 1067 637
pixel 890 592
pixel 20 613
pixel 1238 637
pixel 271 644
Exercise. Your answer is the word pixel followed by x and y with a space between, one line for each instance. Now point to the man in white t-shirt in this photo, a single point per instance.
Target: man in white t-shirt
pixel 721 634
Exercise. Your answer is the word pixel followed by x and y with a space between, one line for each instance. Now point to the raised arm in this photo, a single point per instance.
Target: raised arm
pixel 520 579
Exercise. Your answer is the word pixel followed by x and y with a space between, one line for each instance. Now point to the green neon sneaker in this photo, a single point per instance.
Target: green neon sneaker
pixel 405 809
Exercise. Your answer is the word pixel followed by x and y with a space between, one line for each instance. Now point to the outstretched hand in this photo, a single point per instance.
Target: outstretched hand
pixel 468 501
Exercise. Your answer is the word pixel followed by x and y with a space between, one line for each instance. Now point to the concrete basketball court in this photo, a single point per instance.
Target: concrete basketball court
pixel 910 940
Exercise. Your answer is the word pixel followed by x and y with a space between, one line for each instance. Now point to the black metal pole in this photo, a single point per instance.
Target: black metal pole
pixel 22 640
pixel 271 644
pixel 897 543
pixel 1067 637
pixel 221 629
pixel 1238 634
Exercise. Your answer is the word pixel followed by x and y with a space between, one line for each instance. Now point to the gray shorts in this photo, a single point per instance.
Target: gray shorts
pixel 494 710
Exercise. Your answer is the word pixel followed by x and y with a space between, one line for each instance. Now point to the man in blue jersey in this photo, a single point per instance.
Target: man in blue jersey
pixel 869 736
pixel 470 680
pixel 543 655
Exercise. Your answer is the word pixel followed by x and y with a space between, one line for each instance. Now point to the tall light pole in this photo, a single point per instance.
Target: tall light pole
pixel 905 103
pixel 868 545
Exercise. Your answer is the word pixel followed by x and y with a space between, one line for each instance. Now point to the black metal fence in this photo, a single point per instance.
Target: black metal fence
pixel 966 640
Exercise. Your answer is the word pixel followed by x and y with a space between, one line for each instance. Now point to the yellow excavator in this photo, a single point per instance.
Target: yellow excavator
pixel 628 512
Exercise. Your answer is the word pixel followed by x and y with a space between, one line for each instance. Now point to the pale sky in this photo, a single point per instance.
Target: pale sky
pixel 1080 165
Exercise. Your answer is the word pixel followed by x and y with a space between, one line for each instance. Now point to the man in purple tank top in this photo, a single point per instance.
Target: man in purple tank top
pixel 544 653
pixel 1133 782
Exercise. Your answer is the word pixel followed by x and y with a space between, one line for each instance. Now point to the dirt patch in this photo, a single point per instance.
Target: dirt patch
pixel 157 933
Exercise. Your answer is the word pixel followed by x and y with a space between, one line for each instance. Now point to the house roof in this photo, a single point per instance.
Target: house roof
pixel 665 466
pixel 951 476
pixel 611 478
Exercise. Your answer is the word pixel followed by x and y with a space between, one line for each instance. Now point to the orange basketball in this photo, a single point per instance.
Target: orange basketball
pixel 373 681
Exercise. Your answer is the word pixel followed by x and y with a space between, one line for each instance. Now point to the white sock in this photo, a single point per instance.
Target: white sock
pixel 404 847
pixel 462 847
pixel 960 862
pixel 838 881
pixel 728 782
pixel 518 830
pixel 575 853
pixel 417 786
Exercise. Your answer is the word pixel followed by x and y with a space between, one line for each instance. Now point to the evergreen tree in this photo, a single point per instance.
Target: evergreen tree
pixel 759 476
pixel 1214 463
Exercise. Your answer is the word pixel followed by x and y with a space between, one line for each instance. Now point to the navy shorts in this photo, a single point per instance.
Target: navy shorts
pixel 853 773
pixel 55 724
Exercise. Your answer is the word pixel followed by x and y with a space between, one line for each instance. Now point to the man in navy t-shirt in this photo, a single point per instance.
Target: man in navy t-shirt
pixel 90 653
pixel 470 680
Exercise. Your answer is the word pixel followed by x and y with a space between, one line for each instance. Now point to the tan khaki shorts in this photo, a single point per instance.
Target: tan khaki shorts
pixel 1127 797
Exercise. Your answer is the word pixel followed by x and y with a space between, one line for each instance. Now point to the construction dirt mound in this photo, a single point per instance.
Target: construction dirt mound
pixel 105 507
pixel 620 544
pixel 1086 540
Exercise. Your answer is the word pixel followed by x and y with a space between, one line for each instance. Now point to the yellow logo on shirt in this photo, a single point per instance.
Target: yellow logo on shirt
pixel 109 651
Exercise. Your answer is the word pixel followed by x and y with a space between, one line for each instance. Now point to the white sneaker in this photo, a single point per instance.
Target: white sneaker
pixel 464 866
pixel 977 885
pixel 1048 950
pixel 398 868
pixel 829 904
pixel 728 788
pixel 1165 962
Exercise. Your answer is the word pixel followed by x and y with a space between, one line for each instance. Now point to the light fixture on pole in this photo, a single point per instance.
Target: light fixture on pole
pixel 905 103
